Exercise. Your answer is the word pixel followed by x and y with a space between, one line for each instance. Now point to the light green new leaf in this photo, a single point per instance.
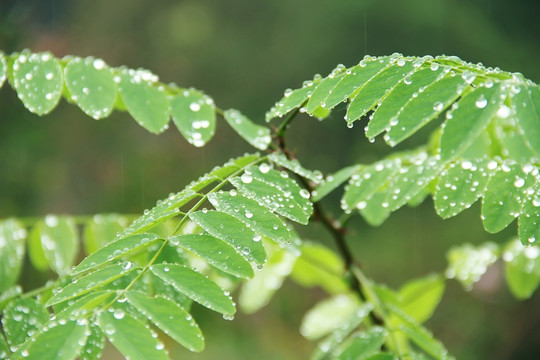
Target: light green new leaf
pixel 95 342
pixel 115 250
pixel 522 269
pixel 529 220
pixel 328 345
pixel 232 231
pixel 22 318
pixel 256 135
pixel 131 337
pixel 412 180
pixel 171 318
pixel 146 103
pixel 504 194
pixel 91 86
pixel 526 104
pixel 362 345
pixel 37 78
pixel 460 185
pixel 291 100
pixel 354 79
pixel 257 217
pixel 194 114
pixel 216 252
pixel 465 124
pixel 398 98
pixel 370 94
pixel 3 69
pixel 467 263
pixel 90 282
pixel 196 286
pixel 58 341
pixel 295 166
pixel 423 108
pixel 12 245
pixel 101 229
pixel 59 240
pixel 328 315
pixel 333 181
pixel 257 292
pixel 419 298
pixel 364 184
pixel 420 335
pixel 319 266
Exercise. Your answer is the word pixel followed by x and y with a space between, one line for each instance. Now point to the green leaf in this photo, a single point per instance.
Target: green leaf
pixel 465 124
pixel 90 282
pixel 419 298
pixel 373 90
pixel 91 86
pixel 255 216
pixel 364 184
pixel 420 335
pixel 503 196
pixel 291 100
pixel 328 315
pixel 216 252
pixel 323 88
pixel 277 192
pixel 22 318
pixel 257 292
pixel 412 180
pixel 101 229
pixel 362 345
pixel 196 286
pixel 328 345
pixel 376 210
pixel 295 166
pixel 384 116
pixel 134 340
pixel 169 317
pixel 12 245
pixel 467 263
pixel 3 72
pixel 319 266
pixel 4 348
pixel 257 135
pixel 164 289
pixel 460 185
pixel 95 342
pixel 37 78
pixel 115 250
pixel 333 181
pixel 163 211
pixel 526 105
pixel 355 78
pixel 235 233
pixel 423 108
pixel 529 220
pixel 85 304
pixel 58 341
pixel 59 240
pixel 522 269
pixel 146 103
pixel 194 114
pixel 384 356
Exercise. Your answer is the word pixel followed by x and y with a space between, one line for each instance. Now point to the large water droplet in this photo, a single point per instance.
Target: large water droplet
pixel 481 102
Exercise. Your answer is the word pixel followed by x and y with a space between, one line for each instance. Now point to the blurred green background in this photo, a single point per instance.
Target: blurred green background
pixel 244 54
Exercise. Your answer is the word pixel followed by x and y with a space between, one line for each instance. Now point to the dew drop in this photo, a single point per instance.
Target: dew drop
pixel 481 102
pixel 257 238
pixel 264 168
pixel 434 67
pixel 304 193
pixel 246 178
pixel 438 106
pixel 194 107
pixel 249 214
pixel 118 314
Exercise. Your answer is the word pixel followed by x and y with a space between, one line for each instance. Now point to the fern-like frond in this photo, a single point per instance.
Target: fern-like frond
pixel 402 94
pixel 41 80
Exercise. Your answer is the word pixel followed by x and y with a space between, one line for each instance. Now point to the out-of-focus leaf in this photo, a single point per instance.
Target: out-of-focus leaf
pixel 12 245
pixel 522 268
pixel 467 263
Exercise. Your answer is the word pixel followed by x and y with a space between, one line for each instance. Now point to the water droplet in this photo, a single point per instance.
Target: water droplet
pixel 246 178
pixel 194 107
pixel 249 214
pixel 288 92
pixel 257 238
pixel 407 80
pixel 434 67
pixel 304 193
pixel 264 168
pixel 118 314
pixel 361 205
pixel 401 62
pixel 466 165
pixel 228 317
pixel 503 112
pixel 481 102
pixel 438 106
pixel 536 201
pixel 519 182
